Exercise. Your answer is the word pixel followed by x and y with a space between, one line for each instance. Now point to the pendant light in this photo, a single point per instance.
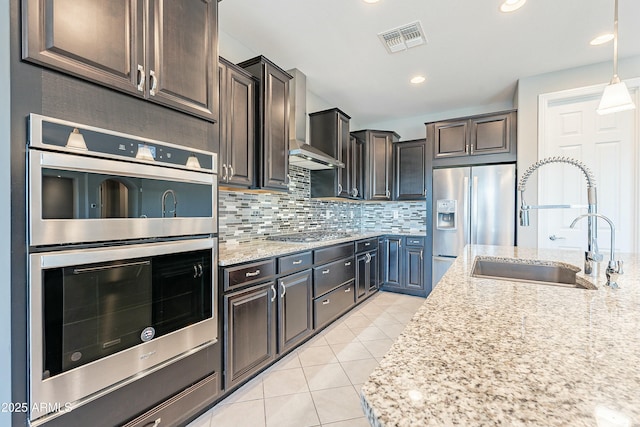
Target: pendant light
pixel 616 96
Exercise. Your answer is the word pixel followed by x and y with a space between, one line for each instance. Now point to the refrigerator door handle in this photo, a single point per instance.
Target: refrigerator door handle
pixel 465 200
pixel 474 209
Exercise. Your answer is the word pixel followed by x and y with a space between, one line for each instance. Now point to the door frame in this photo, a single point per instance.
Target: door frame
pixel 544 101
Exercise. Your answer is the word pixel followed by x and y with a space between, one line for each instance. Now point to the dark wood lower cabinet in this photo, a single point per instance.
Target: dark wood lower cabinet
pixel 366 274
pixel 250 331
pixel 295 312
pixel 402 265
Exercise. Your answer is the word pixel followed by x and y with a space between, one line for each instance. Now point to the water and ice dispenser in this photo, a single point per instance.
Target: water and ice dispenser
pixel 447 214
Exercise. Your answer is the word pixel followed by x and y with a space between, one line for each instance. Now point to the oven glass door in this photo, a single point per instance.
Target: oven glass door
pixel 92 311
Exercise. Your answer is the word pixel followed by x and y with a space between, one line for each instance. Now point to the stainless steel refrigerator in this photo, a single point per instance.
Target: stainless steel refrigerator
pixel 474 205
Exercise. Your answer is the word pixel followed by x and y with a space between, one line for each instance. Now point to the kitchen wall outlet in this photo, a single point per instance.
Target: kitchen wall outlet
pixel 395 214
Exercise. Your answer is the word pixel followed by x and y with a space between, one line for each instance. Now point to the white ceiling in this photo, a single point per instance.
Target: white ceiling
pixel 474 55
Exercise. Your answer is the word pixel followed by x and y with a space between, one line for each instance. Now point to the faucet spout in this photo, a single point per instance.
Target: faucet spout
pixel 164 203
pixel 592 206
pixel 614 268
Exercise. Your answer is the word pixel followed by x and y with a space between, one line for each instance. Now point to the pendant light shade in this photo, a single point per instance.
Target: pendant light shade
pixel 616 96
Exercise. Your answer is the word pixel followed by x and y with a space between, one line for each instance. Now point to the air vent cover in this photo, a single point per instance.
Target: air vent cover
pixel 403 38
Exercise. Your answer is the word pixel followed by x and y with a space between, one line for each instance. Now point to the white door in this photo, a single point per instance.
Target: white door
pixel 570 126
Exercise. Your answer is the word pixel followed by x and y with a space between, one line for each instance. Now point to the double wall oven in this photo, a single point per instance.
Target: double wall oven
pixel 122 236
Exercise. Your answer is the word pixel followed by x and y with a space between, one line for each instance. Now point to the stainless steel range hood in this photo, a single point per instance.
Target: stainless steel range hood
pixel 302 154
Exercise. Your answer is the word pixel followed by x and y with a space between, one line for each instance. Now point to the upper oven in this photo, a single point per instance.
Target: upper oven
pixel 112 186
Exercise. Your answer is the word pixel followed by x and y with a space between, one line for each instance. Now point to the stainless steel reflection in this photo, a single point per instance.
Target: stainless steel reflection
pixel 471 205
pixel 44 231
pixel 87 382
pixel 166 194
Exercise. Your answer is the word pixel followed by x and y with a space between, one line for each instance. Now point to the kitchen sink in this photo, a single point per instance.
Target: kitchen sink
pixel 529 271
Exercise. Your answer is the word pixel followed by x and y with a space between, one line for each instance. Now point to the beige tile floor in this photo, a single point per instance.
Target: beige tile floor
pixel 319 383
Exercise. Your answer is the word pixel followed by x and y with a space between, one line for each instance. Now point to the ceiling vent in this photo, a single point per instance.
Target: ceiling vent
pixel 403 38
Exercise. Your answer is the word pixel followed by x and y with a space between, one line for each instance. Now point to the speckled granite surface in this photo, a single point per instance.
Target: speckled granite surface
pixel 237 253
pixel 483 352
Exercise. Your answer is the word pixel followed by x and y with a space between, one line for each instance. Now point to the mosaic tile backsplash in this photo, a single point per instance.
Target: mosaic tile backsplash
pixel 245 216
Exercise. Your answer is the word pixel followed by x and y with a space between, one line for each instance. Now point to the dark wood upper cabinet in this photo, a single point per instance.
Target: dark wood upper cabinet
pixel 237 126
pixel 377 165
pixel 105 41
pixel 410 170
pixel 272 122
pixel 459 141
pixel 329 132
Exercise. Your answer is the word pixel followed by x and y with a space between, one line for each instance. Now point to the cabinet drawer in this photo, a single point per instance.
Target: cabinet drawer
pixel 180 407
pixel 245 274
pixel 287 264
pixel 367 245
pixel 415 241
pixel 321 256
pixel 329 276
pixel 333 304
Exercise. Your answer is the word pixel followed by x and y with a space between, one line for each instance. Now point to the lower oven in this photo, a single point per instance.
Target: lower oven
pixel 102 317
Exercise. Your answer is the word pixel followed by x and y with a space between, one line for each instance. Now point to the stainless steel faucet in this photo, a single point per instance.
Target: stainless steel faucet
pixel 615 267
pixel 592 256
pixel 164 203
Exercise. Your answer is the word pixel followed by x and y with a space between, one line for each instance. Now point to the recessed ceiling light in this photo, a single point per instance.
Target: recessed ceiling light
pixel 371 1
pixel 417 80
pixel 512 5
pixel 601 39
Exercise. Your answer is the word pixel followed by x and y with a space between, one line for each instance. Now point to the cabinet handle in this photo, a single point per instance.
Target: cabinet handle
pixel 142 77
pixel 288 181
pixel 347 290
pixel 297 262
pixel 255 273
pixel 326 271
pixel 347 264
pixel 421 254
pixel 425 192
pixel 284 290
pixel 224 175
pixel 231 172
pixel 195 271
pixel 388 193
pixel 339 188
pixel 327 301
pixel 154 83
pixel 355 192
pixel 154 423
pixel 200 270
pixel 275 293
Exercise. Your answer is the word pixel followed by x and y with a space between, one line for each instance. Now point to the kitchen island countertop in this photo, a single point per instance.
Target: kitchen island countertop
pixel 499 352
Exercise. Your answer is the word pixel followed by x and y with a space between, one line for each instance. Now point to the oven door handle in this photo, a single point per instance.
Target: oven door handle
pixel 109 267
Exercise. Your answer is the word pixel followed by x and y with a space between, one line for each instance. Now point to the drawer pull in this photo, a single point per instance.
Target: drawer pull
pixel 298 262
pixel 325 302
pixel 347 264
pixel 254 274
pixel 347 290
pixel 368 244
pixel 327 271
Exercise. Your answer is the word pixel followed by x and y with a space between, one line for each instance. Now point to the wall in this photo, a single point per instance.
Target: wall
pixel 5 214
pixel 529 88
pixel 245 216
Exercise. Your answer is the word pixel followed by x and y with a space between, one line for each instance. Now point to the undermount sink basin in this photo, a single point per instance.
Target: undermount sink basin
pixel 529 271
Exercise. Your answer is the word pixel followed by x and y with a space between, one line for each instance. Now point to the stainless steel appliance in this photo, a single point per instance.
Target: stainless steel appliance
pixel 122 260
pixel 471 205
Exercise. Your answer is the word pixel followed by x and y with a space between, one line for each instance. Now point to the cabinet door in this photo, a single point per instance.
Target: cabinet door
pixel 413 268
pixel 345 156
pixel 99 40
pixel 379 163
pixel 182 55
pixel 491 135
pixel 392 262
pixel 275 159
pixel 362 273
pixel 295 318
pixel 357 168
pixel 450 139
pixel 250 331
pixel 240 128
pixel 410 181
pixel 372 282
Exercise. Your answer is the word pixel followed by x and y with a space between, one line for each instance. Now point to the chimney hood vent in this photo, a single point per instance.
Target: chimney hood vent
pixel 302 154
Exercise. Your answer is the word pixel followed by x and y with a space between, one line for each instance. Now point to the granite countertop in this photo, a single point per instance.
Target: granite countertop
pixel 495 352
pixel 237 253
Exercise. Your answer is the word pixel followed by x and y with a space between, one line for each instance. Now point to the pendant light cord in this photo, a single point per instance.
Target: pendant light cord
pixel 615 79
